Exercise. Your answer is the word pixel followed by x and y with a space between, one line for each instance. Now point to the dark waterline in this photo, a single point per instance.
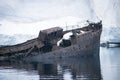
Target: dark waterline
pixel 107 67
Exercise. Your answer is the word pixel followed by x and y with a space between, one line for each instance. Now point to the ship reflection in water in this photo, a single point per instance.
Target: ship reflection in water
pixel 92 68
pixel 69 69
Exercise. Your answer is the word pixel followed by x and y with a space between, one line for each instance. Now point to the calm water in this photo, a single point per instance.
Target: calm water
pixel 107 67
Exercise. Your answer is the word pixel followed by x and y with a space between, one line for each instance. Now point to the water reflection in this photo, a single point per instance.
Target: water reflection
pixel 68 69
pixel 110 63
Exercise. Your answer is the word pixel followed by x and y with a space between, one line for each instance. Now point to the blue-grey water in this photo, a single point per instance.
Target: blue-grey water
pixel 104 67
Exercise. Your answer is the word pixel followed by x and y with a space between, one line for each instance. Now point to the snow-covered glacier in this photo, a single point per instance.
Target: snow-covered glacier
pixel 28 17
pixel 14 39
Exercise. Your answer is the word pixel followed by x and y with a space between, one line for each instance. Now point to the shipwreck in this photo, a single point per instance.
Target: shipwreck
pixel 51 43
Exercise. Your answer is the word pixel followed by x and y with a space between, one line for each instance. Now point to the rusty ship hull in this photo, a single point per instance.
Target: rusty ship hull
pixel 45 45
pixel 88 45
